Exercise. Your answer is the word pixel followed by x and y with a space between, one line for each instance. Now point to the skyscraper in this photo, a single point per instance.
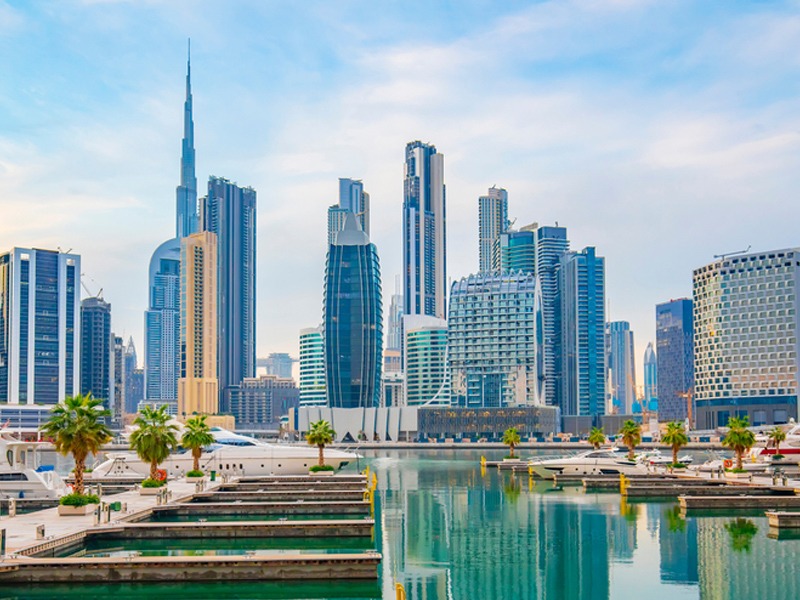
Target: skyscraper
pixel 186 218
pixel 162 317
pixel 39 326
pixel 198 390
pixel 279 364
pixel 675 358
pixel 492 221
pixel 353 320
pixel 118 373
pixel 97 352
pixel 581 289
pixel 515 251
pixel 746 338
pixel 650 378
pixel 621 368
pixel 424 236
pixel 312 367
pixel 425 359
pixel 229 211
pixel 352 198
pixel 493 342
pixel 394 335
pixel 551 246
pixel 134 379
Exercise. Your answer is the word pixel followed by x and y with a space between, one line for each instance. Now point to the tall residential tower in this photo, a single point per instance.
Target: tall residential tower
pixel 492 221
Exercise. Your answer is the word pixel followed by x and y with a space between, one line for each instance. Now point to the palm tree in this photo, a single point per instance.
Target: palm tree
pixel 319 435
pixel 155 437
pixel 596 437
pixel 76 428
pixel 675 437
pixel 777 435
pixel 739 438
pixel 742 532
pixel 511 439
pixel 631 433
pixel 196 436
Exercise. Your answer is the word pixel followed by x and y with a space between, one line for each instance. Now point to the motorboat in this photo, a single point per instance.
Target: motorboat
pixel 609 461
pixel 21 475
pixel 656 458
pixel 230 454
pixel 790 447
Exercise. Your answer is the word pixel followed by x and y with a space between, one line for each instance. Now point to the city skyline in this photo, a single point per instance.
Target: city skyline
pixel 695 130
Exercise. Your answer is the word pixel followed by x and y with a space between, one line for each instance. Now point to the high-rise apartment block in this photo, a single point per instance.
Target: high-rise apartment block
pixel 198 390
pixel 39 326
pixel 581 384
pixel 424 259
pixel 746 338
pixel 118 372
pixel 312 368
pixel 492 221
pixel 650 379
pixel 394 333
pixel 493 341
pixel 353 320
pixel 229 212
pixel 515 251
pixel 425 359
pixel 675 358
pixel 97 353
pixel 621 367
pixel 260 402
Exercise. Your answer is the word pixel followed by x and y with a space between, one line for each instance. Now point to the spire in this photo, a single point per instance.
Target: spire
pixel 186 193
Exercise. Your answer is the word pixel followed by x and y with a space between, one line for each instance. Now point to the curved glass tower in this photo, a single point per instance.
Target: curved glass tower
pixel 353 320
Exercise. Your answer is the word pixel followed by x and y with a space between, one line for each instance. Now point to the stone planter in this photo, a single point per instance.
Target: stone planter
pixel 76 511
pixel 190 479
pixel 730 475
pixel 149 491
pixel 515 459
pixel 321 473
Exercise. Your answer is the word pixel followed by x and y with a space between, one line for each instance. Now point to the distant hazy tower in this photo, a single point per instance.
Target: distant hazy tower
pixel 186 193
pixel 96 350
pixel 492 221
pixel 650 378
pixel 229 211
pixel 424 238
pixel 621 367
pixel 581 388
pixel 353 320
pixel 394 335
pixel 134 379
pixel 198 386
pixel 675 358
pixel 118 404
pixel 40 341
pixel 312 367
pixel 352 198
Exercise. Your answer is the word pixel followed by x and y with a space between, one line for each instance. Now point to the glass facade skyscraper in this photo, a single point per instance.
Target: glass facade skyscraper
pixel 186 218
pixel 494 340
pixel 424 237
pixel 425 360
pixel 674 358
pixel 229 211
pixel 581 386
pixel 746 338
pixel 492 221
pixel 621 368
pixel 352 199
pixel 39 326
pixel 515 251
pixel 97 370
pixel 312 367
pixel 650 379
pixel 353 320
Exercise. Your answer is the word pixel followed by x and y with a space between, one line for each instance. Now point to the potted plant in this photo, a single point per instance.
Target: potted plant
pixel 777 435
pixel 76 427
pixel 596 437
pixel 196 436
pixel 675 437
pixel 511 439
pixel 320 435
pixel 631 433
pixel 153 441
pixel 739 439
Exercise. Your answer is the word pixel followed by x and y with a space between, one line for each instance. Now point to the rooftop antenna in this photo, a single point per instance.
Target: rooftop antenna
pixel 727 254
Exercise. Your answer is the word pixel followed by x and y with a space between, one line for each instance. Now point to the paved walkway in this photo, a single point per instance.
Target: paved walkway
pixel 21 529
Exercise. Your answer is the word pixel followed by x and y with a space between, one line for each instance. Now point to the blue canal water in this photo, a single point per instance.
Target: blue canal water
pixel 447 530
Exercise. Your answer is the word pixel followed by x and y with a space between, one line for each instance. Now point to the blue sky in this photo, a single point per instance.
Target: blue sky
pixel 661 132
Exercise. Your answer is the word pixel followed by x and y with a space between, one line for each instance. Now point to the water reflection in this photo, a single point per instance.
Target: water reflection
pixel 447 531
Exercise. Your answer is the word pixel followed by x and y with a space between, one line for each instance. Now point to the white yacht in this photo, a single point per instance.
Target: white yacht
pixel 21 475
pixel 790 447
pixel 609 461
pixel 232 454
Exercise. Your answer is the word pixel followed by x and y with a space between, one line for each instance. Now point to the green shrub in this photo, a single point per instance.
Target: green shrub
pixel 152 483
pixel 510 456
pixel 79 500
pixel 318 468
pixel 194 473
pixel 736 470
pixel 677 465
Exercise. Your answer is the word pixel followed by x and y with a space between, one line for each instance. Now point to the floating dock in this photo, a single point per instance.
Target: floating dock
pixel 739 502
pixel 280 496
pixel 321 507
pixel 666 491
pixel 783 519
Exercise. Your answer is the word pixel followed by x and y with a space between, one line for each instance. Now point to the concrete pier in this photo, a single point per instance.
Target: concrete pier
pixel 666 491
pixel 264 508
pixel 285 567
pixel 783 520
pixel 280 496
pixel 738 502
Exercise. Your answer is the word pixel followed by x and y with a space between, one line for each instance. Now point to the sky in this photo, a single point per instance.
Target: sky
pixel 662 132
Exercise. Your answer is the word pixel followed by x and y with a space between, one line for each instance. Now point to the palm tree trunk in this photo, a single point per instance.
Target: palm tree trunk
pixel 739 459
pixel 321 455
pixel 674 455
pixel 511 446
pixel 777 447
pixel 631 454
pixel 80 467
pixel 196 458
pixel 154 470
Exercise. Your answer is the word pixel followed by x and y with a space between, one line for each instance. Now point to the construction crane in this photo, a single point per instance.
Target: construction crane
pixel 99 293
pixel 727 254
